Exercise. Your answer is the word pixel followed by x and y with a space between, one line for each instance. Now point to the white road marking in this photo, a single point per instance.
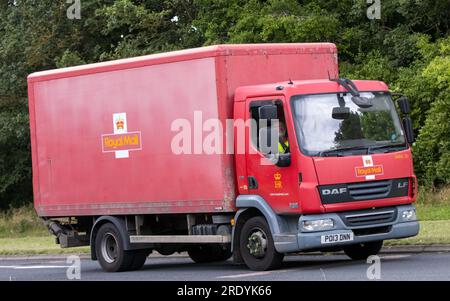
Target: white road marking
pixel 395 256
pixel 244 275
pixel 21 267
pixel 59 261
pixel 251 274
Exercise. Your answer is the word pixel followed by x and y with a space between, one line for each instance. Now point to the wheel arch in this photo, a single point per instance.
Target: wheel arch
pixel 118 222
pixel 248 207
pixel 256 202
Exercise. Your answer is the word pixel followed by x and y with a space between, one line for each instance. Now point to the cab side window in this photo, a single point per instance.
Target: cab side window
pixel 259 127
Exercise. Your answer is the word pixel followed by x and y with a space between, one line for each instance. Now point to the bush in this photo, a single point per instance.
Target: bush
pixel 432 149
pixel 21 221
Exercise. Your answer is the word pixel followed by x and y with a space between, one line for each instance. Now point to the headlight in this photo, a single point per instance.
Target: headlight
pixel 409 215
pixel 318 224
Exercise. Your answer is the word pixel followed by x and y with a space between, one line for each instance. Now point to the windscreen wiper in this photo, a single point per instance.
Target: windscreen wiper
pixel 339 152
pixel 350 86
pixel 368 149
pixel 386 147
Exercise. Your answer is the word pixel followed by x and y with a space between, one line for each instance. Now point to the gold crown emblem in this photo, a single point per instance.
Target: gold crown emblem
pixel 277 176
pixel 120 124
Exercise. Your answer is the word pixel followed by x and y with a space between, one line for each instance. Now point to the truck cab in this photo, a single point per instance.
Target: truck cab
pixel 346 180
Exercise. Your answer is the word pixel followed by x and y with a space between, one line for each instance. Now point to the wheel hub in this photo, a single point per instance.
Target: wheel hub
pixel 257 244
pixel 109 248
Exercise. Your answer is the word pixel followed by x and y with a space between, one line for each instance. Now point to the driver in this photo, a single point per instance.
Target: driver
pixel 283 143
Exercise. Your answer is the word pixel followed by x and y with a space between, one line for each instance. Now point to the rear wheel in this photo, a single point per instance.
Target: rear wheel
pixel 257 246
pixel 209 253
pixel 363 250
pixel 111 255
pixel 110 252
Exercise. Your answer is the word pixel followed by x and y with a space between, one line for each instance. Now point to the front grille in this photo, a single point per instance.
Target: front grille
pixel 363 191
pixel 369 190
pixel 371 231
pixel 369 217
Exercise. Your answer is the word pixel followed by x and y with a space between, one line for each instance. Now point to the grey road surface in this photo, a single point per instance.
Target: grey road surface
pixel 409 266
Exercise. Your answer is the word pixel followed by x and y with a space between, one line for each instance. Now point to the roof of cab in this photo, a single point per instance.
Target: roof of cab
pixel 182 55
pixel 305 87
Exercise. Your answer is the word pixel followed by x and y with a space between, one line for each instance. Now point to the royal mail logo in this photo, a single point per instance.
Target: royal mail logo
pixel 369 171
pixel 121 142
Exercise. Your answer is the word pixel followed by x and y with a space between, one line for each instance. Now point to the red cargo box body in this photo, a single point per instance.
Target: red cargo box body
pixel 75 134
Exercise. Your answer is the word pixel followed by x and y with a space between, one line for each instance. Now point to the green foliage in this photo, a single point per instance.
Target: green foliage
pixel 433 145
pixel 69 58
pixel 408 49
pixel 21 221
pixel 15 161
pixel 372 65
pixel 349 129
pixel 143 27
pixel 259 22
pixel 378 126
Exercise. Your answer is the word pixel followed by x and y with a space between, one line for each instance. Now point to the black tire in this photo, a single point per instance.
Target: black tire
pixel 271 259
pixel 109 248
pixel 363 250
pixel 209 253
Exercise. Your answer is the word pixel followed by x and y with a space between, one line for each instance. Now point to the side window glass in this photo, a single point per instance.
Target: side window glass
pixel 260 127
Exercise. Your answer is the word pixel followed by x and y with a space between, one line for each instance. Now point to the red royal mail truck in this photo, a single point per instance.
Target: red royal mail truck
pixel 137 155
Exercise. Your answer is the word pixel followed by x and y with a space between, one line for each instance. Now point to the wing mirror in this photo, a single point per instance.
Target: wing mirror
pixel 407 126
pixel 268 112
pixel 403 104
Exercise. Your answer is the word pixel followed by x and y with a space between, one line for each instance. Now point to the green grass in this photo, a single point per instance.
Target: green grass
pixel 433 212
pixel 431 232
pixel 21 222
pixel 22 232
pixel 33 245
pixel 433 206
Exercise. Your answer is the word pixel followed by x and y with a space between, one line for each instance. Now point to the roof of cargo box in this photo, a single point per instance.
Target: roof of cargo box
pixel 183 55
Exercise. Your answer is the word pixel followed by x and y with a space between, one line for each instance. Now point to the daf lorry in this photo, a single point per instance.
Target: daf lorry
pixel 137 155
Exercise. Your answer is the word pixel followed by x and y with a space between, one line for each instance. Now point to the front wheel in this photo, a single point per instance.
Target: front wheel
pixel 257 246
pixel 363 250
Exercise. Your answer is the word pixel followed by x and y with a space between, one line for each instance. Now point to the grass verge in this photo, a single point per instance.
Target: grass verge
pixel 431 232
pixel 34 245
pixel 21 222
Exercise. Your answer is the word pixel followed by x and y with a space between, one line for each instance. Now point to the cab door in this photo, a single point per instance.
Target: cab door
pixel 277 185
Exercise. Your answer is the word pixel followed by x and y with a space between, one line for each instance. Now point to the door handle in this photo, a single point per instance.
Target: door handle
pixel 252 183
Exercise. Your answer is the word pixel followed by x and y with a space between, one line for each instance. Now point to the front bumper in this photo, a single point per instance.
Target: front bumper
pixel 307 241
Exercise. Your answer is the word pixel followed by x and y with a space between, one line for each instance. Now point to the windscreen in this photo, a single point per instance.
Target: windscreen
pixel 373 129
